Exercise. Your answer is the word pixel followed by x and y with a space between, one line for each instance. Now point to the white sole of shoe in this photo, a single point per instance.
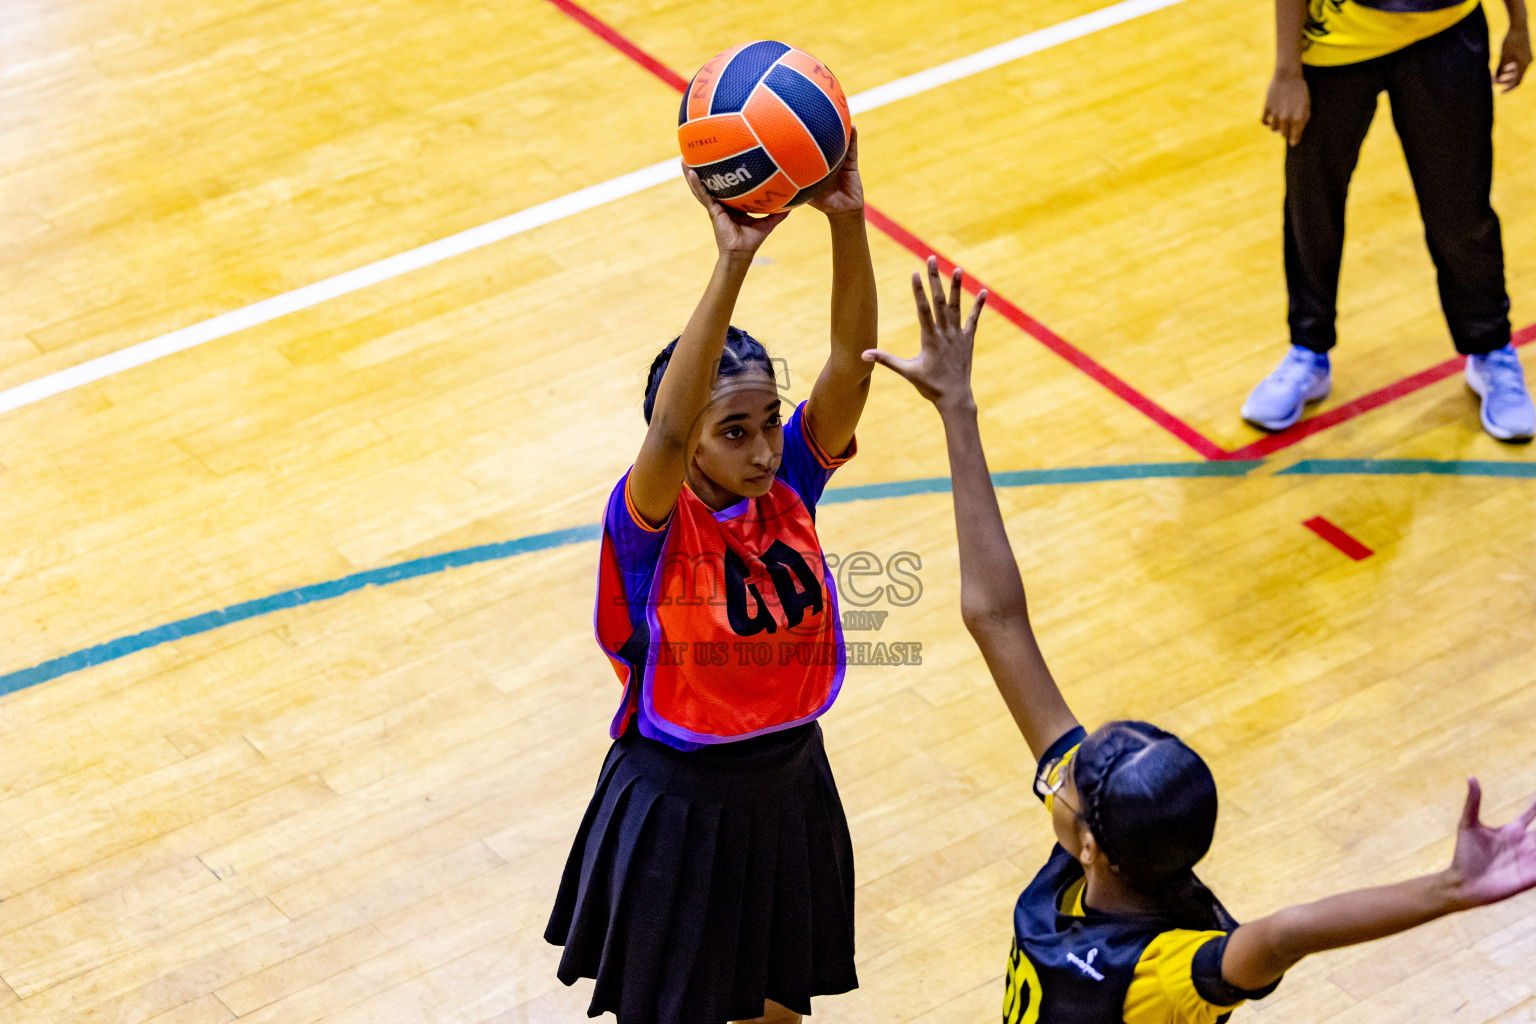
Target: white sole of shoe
pixel 1479 387
pixel 1277 425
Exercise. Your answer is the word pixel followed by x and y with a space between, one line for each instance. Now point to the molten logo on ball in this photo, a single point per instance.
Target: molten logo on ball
pixel 730 179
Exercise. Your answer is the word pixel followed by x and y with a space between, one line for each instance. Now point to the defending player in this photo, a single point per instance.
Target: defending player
pixel 1116 927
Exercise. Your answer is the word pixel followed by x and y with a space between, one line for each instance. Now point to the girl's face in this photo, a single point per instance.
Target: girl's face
pixel 1065 819
pixel 740 442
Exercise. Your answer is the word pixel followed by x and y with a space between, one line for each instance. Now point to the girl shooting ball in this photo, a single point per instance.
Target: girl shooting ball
pixel 712 876
pixel 1115 926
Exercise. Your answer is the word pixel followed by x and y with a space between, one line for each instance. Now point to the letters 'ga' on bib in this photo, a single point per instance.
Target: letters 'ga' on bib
pixel 724 625
pixel 743 630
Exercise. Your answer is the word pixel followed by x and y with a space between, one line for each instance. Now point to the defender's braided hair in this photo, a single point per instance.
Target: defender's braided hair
pixel 1150 802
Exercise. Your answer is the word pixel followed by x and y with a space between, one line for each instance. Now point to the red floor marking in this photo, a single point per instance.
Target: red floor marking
pixel 1050 339
pixel 1053 341
pixel 1364 404
pixel 1338 538
pixel 612 36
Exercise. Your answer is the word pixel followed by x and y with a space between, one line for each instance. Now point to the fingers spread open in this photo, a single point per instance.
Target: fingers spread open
pixel 1529 816
pixel 970 323
pixel 1474 802
pixel 924 314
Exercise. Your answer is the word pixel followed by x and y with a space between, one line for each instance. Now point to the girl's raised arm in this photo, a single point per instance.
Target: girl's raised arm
pixel 837 398
pixel 991 591
pixel 689 379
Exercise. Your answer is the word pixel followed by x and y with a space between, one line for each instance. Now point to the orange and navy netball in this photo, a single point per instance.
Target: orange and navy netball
pixel 763 124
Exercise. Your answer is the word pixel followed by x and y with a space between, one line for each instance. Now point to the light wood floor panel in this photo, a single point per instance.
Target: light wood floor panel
pixel 205 532
pixel 286 143
pixel 1126 191
pixel 357 809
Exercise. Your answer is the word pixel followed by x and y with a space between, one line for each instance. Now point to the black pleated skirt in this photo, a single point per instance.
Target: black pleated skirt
pixel 702 883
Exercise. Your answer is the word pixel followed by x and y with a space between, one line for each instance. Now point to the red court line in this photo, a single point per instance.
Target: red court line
pixel 1053 341
pixel 612 36
pixel 1364 404
pixel 1338 538
pixel 1050 339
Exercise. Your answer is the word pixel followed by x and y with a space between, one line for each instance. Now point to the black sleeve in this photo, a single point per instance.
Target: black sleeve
pixel 1205 971
pixel 1063 743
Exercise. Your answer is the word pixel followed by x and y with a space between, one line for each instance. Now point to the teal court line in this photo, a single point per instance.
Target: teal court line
pixel 1409 467
pixel 430 564
pixel 1037 477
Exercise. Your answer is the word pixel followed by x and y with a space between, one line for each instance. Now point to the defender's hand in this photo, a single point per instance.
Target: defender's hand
pixel 1492 864
pixel 942 370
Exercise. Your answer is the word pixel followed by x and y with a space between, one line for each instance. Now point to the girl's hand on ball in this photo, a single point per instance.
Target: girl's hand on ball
pixel 736 233
pixel 942 370
pixel 844 191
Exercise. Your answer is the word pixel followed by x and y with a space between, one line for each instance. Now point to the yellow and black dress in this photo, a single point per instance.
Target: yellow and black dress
pixel 1350 31
pixel 1431 59
pixel 1071 964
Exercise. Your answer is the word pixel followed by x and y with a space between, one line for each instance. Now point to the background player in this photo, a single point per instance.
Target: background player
pixel 1116 926
pixel 1333 58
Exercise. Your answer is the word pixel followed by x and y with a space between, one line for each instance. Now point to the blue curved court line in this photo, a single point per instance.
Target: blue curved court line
pixel 126 645
pixel 1408 467
pixel 1037 477
pixel 426 566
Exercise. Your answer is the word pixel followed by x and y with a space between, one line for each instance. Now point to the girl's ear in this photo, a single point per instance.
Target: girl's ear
pixel 1088 847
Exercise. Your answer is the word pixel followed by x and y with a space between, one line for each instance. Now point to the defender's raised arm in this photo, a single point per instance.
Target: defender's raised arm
pixel 991 591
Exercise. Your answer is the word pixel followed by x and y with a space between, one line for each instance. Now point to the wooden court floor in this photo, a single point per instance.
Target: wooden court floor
pixel 347 798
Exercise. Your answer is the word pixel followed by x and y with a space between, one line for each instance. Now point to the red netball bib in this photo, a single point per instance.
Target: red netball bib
pixel 723 625
pixel 744 622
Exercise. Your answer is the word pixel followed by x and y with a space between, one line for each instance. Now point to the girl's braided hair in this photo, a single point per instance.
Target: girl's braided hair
pixel 743 353
pixel 1150 802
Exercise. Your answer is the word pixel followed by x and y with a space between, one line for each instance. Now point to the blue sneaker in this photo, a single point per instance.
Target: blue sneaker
pixel 1507 411
pixel 1303 377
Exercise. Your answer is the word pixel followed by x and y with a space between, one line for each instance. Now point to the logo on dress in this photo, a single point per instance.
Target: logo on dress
pixel 1086 966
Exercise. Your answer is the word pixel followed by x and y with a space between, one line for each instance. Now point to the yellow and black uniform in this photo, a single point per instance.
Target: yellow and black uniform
pixel 1349 31
pixel 1431 59
pixel 1071 964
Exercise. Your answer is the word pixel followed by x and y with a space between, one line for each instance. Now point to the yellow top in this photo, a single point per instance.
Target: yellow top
pixel 1345 32
pixel 1163 988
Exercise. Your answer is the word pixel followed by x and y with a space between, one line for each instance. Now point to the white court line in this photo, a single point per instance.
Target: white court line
pixel 576 202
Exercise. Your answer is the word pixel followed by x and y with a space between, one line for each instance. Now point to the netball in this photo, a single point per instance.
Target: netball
pixel 763 124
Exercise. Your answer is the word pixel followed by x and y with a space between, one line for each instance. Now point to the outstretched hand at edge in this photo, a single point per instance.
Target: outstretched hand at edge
pixel 941 371
pixel 1492 863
